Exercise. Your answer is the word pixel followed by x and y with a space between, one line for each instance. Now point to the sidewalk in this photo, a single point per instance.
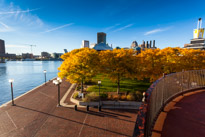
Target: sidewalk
pixel 36 115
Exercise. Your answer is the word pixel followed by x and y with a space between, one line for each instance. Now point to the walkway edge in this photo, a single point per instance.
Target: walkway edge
pixel 62 102
pixel 5 104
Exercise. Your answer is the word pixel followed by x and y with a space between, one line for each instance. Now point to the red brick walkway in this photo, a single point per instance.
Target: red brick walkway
pixel 36 115
pixel 186 118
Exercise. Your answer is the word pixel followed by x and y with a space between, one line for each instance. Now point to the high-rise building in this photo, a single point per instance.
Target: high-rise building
pixel 101 42
pixel 85 44
pixel 2 47
pixel 101 37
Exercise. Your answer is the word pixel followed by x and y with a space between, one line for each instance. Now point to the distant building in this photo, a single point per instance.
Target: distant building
pixel 27 55
pixel 45 55
pixel 101 37
pixel 147 45
pixel 134 44
pixel 101 42
pixel 85 44
pixel 56 55
pixel 2 47
pixel 65 50
pixel 198 42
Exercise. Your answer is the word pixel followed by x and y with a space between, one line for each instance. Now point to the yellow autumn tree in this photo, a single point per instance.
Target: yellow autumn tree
pixel 149 64
pixel 117 64
pixel 79 65
pixel 192 59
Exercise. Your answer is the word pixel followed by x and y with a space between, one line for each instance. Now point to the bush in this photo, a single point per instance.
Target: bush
pixel 110 96
pixel 138 95
pixel 116 97
pixel 92 96
pixel 75 95
pixel 131 97
pixel 123 97
pixel 103 95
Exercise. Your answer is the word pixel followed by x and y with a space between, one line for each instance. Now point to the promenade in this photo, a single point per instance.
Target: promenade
pixel 36 115
pixel 183 117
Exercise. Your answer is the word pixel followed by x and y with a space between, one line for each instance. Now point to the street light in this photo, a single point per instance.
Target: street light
pixel 45 75
pixel 12 95
pixel 58 82
pixel 99 84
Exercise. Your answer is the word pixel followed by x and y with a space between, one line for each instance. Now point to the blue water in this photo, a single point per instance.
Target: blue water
pixel 26 74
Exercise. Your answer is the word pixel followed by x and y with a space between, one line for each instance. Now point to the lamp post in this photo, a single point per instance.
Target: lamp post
pixel 58 82
pixel 12 95
pixel 45 75
pixel 99 84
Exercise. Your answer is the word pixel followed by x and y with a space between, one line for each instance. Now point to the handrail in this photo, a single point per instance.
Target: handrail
pixel 161 92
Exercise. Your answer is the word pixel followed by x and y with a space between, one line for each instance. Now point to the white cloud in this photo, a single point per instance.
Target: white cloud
pixel 18 11
pixel 156 31
pixel 5 28
pixel 122 28
pixel 14 17
pixel 60 27
pixel 111 27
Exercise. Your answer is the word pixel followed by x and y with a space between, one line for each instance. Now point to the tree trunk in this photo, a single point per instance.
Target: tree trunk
pixel 118 84
pixel 82 86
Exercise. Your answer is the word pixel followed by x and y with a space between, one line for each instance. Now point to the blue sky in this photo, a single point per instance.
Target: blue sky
pixel 53 25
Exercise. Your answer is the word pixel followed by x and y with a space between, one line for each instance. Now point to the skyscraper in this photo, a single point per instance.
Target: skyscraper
pixel 2 47
pixel 101 37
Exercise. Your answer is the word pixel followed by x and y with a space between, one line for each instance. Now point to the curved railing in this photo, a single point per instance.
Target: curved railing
pixel 161 92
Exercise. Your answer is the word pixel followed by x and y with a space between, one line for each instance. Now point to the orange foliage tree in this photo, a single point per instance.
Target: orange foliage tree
pixel 79 65
pixel 117 64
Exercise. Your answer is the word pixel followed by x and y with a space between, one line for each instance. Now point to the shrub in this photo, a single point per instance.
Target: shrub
pixel 103 95
pixel 92 96
pixel 138 95
pixel 123 97
pixel 131 97
pixel 110 96
pixel 75 95
pixel 116 97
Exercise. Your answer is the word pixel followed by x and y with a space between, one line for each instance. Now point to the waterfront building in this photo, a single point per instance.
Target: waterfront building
pixel 101 42
pixel 27 56
pixel 198 42
pixel 45 55
pixel 56 55
pixel 85 44
pixel 2 47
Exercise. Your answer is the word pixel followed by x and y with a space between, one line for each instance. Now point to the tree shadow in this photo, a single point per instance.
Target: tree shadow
pixel 92 112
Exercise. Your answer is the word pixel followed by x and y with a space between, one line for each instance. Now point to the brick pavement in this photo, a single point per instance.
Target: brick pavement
pixel 36 115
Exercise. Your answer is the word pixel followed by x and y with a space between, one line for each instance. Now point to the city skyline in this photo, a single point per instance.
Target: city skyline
pixel 54 26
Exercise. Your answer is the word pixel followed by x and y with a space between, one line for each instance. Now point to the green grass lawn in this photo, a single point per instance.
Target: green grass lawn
pixel 126 85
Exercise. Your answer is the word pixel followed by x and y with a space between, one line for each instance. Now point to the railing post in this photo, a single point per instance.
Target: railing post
pixel 182 81
pixel 163 92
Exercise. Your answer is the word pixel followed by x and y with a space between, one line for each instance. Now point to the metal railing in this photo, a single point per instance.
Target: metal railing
pixel 164 90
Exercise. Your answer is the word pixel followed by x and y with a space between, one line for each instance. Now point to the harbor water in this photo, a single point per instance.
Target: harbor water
pixel 26 74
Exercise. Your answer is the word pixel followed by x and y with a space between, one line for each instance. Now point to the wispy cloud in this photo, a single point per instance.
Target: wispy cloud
pixel 5 28
pixel 60 27
pixel 124 27
pixel 111 27
pixel 156 31
pixel 18 11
